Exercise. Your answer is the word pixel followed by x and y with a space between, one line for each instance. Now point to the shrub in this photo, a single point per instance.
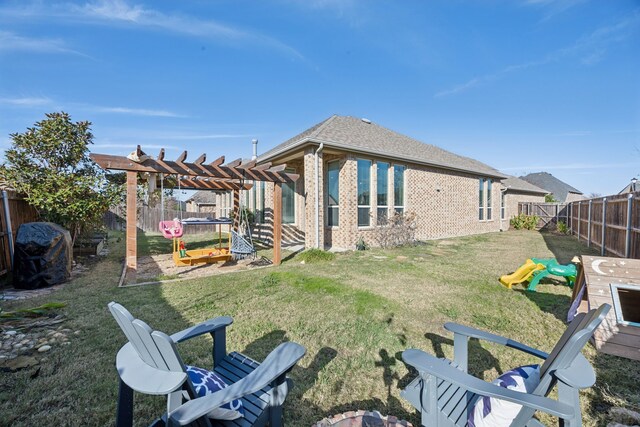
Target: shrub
pixel 524 222
pixel 316 255
pixel 399 230
pixel 562 227
pixel 361 245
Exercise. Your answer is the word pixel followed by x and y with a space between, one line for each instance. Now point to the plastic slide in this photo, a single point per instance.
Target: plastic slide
pixel 522 274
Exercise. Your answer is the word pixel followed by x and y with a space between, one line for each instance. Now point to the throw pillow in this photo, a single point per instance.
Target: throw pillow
pixel 207 382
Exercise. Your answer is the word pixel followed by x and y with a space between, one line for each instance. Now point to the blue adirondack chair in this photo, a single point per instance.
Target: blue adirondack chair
pixel 150 363
pixel 445 393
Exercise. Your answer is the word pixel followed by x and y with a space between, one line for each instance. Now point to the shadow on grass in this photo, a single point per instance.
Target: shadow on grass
pixel 556 304
pixel 480 359
pixel 565 247
pixel 616 385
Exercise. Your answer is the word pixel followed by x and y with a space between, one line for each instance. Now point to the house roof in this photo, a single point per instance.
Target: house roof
pixel 545 180
pixel 517 184
pixel 203 197
pixel 360 135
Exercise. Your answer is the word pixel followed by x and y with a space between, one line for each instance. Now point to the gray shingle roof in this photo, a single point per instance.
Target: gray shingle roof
pixel 545 180
pixel 354 134
pixel 517 184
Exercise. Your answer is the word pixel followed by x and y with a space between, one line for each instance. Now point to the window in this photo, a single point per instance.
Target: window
pixel 398 188
pixel 383 191
pixel 262 210
pixel 364 193
pixel 288 202
pixel 489 184
pixel 481 200
pixel 333 193
pixel 502 206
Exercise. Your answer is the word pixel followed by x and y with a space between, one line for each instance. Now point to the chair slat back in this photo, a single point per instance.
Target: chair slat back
pixel 571 343
pixel 155 348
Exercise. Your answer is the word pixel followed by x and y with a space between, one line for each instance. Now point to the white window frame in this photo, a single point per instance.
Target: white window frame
pixel 404 188
pixel 489 195
pixel 359 206
pixel 336 206
pixel 481 198
pixel 385 206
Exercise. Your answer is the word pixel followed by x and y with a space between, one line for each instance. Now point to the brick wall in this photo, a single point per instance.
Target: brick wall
pixel 445 202
pixel 512 198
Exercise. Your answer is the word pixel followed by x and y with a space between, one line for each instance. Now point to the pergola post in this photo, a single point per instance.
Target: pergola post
pixel 132 211
pixel 236 210
pixel 277 222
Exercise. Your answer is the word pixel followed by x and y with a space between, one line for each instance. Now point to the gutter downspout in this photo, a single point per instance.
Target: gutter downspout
pixel 317 183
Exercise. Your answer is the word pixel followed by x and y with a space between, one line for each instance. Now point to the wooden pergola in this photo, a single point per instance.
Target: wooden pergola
pixel 196 175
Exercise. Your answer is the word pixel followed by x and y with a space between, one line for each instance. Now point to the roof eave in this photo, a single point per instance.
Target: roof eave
pixel 333 144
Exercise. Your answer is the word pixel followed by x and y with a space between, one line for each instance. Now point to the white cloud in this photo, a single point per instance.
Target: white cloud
pixel 26 101
pixel 590 49
pixel 13 42
pixel 573 166
pixel 121 12
pixel 136 111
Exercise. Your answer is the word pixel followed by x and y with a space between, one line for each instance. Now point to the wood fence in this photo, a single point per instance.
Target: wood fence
pixel 149 218
pixel 19 212
pixel 549 213
pixel 610 223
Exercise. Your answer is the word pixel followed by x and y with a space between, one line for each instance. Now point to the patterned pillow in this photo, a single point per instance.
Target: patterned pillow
pixel 208 382
pixel 492 412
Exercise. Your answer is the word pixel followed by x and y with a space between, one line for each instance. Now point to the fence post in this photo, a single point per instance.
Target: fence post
pixel 627 245
pixel 604 224
pixel 579 217
pixel 589 223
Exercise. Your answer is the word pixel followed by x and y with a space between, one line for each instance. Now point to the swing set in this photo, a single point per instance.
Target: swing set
pixel 174 230
pixel 198 175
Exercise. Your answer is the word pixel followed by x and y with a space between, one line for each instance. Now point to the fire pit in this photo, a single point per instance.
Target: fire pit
pixel 362 419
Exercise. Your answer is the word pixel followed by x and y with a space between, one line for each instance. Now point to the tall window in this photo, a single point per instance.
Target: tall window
pixel 261 214
pixel 364 193
pixel 383 191
pixel 288 202
pixel 398 188
pixel 502 207
pixel 481 200
pixel 489 185
pixel 333 193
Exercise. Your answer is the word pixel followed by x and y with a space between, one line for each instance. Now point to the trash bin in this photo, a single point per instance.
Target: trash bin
pixel 43 255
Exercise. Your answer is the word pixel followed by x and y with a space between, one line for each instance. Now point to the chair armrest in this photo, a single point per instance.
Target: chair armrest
pixel 425 363
pixel 277 363
pixel 482 335
pixel 579 375
pixel 143 378
pixel 208 326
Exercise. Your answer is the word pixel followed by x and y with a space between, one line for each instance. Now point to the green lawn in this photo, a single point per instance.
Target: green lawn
pixel 354 314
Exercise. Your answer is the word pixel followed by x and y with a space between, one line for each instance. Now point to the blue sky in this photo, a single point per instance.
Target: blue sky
pixel 522 85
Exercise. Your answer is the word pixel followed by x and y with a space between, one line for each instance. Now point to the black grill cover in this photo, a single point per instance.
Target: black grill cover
pixel 43 255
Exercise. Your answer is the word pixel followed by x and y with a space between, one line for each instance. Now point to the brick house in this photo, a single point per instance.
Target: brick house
pixel 202 201
pixel 514 191
pixel 360 173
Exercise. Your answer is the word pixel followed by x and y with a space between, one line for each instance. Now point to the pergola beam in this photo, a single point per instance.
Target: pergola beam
pixel 233 170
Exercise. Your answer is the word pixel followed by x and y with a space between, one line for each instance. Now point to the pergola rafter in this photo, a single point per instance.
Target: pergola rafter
pixel 197 175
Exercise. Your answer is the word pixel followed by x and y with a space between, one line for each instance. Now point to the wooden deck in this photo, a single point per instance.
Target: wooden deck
pixel 599 273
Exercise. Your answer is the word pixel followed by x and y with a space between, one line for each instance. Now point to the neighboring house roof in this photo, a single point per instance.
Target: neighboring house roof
pixel 363 136
pixel 517 184
pixel 545 180
pixel 628 189
pixel 203 198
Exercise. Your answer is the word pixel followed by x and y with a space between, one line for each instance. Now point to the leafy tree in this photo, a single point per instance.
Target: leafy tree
pixel 548 198
pixel 50 165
